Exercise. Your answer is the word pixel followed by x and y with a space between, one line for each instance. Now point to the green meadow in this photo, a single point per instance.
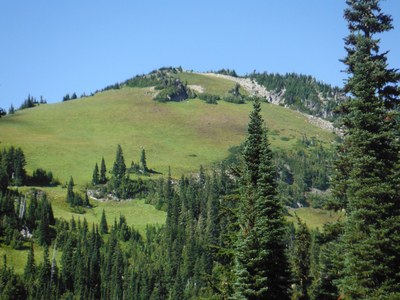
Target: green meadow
pixel 69 138
pixel 314 217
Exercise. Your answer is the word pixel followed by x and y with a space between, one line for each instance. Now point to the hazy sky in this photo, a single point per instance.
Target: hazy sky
pixel 51 48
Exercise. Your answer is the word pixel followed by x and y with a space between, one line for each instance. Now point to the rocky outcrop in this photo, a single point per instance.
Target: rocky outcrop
pixel 255 89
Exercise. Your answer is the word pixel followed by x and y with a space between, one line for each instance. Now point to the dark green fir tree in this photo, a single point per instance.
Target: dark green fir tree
pixel 371 148
pixel 143 162
pixel 103 223
pixel 96 176
pixel 103 172
pixel 301 261
pixel 262 269
pixel 70 191
pixel 119 167
pixel 30 267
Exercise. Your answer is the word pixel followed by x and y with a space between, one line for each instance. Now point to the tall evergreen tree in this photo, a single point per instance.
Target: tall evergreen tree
pixel 103 172
pixel 372 150
pixel 103 223
pixel 262 269
pixel 119 167
pixel 143 161
pixel 70 191
pixel 11 110
pixel 30 267
pixel 95 177
pixel 301 260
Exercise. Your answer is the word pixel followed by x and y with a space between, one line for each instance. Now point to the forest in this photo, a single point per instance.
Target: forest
pixel 226 234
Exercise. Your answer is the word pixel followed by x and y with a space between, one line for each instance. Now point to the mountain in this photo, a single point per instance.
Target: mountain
pixel 68 138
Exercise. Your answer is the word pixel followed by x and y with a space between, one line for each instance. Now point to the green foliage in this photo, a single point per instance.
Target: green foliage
pixel 29 103
pixel 154 78
pixel 70 191
pixel 95 177
pixel 262 269
pixel 303 92
pixel 209 98
pixel 12 167
pixel 80 127
pixel 103 223
pixel 227 72
pixel 11 285
pixel 301 260
pixel 11 110
pixel 234 95
pixel 119 167
pixel 173 90
pixel 143 162
pixel 103 171
pixel 326 262
pixel 41 177
pixel 370 157
pixel 304 174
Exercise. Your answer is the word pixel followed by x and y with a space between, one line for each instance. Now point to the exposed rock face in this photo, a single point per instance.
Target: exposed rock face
pixel 255 89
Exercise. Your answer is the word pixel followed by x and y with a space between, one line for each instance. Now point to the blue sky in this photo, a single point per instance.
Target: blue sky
pixel 51 48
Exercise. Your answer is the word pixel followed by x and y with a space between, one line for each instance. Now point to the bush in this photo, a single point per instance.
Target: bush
pixel 41 177
pixel 234 99
pixel 209 98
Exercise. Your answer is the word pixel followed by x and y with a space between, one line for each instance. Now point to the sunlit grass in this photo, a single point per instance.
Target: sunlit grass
pixel 69 138
pixel 315 218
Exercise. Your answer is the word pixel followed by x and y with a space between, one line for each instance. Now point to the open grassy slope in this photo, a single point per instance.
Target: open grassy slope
pixel 69 138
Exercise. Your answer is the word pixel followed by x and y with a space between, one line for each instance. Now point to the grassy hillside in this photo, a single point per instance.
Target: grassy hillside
pixel 69 138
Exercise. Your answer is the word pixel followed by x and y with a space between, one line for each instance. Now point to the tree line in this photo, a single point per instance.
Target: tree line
pixel 12 171
pixel 225 235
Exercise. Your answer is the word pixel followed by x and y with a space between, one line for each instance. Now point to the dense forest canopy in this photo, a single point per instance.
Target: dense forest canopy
pixel 227 234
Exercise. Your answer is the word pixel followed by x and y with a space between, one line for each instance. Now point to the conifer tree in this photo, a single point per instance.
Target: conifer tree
pixel 30 267
pixel 371 149
pixel 11 110
pixel 95 177
pixel 67 269
pixel 301 260
pixel 261 261
pixel 86 200
pixel 119 167
pixel 103 223
pixel 143 161
pixel 43 230
pixel 44 275
pixel 103 171
pixel 70 191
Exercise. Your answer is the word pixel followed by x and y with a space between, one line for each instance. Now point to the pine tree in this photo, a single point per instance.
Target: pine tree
pixel 103 223
pixel 95 177
pixel 30 267
pixel 372 150
pixel 262 269
pixel 119 167
pixel 86 200
pixel 103 171
pixel 19 163
pixel 143 161
pixel 11 110
pixel 44 275
pixel 70 192
pixel 301 260
pixel 67 267
pixel 43 231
